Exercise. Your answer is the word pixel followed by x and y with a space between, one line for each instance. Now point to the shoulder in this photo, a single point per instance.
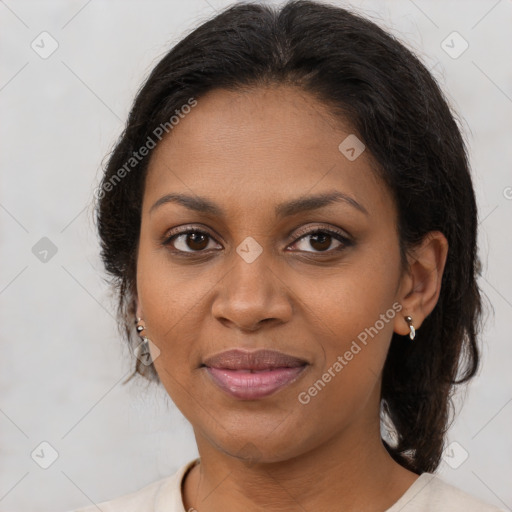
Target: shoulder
pixel 430 493
pixel 163 494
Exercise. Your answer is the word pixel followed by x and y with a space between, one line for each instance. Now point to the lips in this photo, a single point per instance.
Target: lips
pixel 257 361
pixel 253 375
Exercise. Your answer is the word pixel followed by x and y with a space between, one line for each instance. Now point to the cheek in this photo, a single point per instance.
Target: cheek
pixel 167 302
pixel 352 298
pixel 354 310
pixel 168 293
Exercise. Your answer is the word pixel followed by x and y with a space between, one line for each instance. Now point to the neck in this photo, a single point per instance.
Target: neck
pixel 352 471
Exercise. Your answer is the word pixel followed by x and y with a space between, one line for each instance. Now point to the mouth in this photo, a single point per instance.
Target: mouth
pixel 253 375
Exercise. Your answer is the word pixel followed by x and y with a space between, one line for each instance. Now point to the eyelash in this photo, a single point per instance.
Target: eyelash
pixel 343 239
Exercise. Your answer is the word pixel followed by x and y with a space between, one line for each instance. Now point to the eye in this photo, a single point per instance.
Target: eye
pixel 321 239
pixel 189 241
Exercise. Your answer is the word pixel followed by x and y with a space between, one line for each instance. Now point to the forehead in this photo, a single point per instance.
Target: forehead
pixel 258 147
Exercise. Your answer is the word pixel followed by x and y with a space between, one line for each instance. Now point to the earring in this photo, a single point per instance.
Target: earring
pixel 412 330
pixel 142 350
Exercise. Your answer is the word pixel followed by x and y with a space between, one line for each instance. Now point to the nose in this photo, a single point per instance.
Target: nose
pixel 251 296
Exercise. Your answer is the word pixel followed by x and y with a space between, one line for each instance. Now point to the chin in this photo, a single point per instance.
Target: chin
pixel 258 445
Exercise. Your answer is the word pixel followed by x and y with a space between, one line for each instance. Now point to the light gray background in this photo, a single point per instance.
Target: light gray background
pixel 62 359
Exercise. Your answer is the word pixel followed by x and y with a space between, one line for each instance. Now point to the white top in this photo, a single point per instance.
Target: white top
pixel 428 493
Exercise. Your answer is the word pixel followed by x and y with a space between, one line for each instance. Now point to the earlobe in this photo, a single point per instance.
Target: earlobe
pixel 422 283
pixel 139 313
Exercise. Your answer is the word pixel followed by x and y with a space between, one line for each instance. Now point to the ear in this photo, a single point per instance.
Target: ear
pixel 421 282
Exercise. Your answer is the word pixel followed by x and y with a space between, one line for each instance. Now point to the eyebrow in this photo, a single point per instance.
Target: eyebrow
pixel 286 209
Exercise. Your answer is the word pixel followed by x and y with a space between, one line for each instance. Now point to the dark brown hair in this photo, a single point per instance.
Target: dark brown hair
pixel 367 76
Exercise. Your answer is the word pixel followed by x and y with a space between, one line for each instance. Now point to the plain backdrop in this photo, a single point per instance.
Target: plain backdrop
pixel 62 359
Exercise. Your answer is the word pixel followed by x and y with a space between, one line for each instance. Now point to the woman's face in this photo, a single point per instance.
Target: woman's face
pixel 252 274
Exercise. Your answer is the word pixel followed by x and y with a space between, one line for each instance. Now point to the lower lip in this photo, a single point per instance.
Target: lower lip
pixel 250 386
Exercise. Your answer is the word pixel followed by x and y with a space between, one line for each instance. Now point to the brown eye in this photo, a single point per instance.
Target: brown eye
pixel 189 241
pixel 321 240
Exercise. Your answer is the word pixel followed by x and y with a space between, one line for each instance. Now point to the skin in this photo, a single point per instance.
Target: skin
pixel 249 151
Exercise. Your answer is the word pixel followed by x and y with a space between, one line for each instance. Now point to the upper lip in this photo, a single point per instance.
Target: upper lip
pixel 238 359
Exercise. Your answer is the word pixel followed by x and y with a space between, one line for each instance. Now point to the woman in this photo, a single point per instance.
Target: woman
pixel 290 222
